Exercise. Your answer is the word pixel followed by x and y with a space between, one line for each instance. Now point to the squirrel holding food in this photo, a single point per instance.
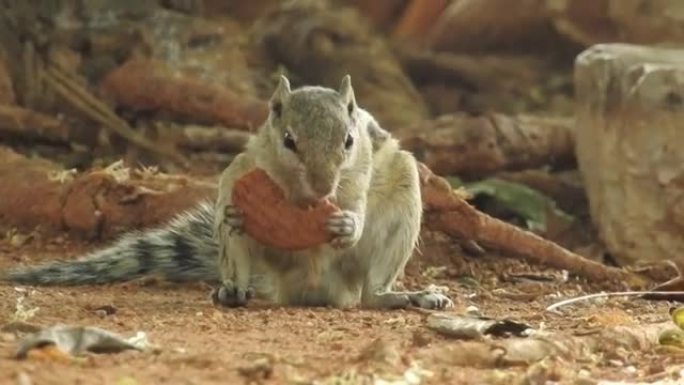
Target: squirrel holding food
pixel 322 208
pixel 331 169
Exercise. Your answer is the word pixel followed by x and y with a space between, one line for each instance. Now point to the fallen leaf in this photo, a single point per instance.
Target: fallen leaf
pixel 76 340
pixel 678 316
pixel 533 207
pixel 473 327
pixel 672 337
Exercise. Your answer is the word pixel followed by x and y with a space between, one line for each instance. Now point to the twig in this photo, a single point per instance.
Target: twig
pixel 213 139
pixel 604 295
pixel 21 122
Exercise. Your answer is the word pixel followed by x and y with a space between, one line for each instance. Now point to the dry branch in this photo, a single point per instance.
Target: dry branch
pixel 382 13
pixel 37 193
pixel 22 123
pixel 447 212
pixel 78 97
pixel 217 139
pixel 148 85
pixel 418 19
pixel 476 146
pixel 7 95
pixel 481 72
pixel 482 24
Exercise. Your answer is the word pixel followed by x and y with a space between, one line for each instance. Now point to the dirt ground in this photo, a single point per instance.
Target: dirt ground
pixel 200 344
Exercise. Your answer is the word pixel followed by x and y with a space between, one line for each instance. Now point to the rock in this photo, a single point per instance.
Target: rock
pixel 629 142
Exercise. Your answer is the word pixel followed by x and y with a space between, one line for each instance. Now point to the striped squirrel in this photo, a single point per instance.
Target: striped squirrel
pixel 315 143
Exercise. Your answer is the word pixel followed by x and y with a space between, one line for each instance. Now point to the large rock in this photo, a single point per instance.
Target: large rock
pixel 630 147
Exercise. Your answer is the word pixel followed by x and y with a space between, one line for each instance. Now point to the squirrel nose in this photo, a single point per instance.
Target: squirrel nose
pixel 322 185
pixel 323 189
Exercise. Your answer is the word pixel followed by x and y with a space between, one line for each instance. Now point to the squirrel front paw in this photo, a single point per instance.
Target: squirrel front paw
pixel 232 217
pixel 345 227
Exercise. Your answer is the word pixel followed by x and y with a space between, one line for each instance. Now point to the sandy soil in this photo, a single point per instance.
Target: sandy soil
pixel 200 344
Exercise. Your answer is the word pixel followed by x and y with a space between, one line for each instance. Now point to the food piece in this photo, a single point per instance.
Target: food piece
pixel 273 221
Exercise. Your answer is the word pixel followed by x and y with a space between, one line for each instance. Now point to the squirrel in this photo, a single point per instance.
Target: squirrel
pixel 316 143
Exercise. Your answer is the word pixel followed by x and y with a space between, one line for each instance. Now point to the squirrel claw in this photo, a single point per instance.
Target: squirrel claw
pixel 233 219
pixel 344 226
pixel 230 296
pixel 431 298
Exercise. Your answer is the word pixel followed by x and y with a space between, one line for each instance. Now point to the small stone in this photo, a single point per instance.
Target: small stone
pixel 105 310
pixel 473 310
pixel 24 379
pixel 258 370
pixel 100 313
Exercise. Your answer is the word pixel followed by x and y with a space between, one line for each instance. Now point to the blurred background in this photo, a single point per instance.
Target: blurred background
pixel 174 71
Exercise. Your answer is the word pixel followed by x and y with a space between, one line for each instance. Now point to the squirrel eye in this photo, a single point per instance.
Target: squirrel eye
pixel 348 142
pixel 289 142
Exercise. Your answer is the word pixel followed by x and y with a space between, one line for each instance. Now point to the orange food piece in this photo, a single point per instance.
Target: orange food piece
pixel 271 220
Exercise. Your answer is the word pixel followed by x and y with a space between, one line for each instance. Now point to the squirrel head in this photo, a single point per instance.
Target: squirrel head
pixel 315 132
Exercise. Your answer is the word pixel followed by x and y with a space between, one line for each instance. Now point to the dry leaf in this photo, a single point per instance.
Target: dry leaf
pixel 75 340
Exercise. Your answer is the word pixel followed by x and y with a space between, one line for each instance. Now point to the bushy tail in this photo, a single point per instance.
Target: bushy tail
pixel 184 250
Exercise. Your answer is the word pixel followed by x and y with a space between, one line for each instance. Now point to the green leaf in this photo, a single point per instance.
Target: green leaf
pixel 531 205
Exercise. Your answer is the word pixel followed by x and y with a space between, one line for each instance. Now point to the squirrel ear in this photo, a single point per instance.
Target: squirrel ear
pixel 281 93
pixel 347 93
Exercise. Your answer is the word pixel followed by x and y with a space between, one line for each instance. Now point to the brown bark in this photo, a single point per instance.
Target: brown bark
pixel 216 139
pixel 67 85
pixel 492 24
pixel 93 204
pixel 7 95
pixel 479 72
pixel 382 13
pixel 148 85
pixel 418 19
pixel 476 146
pixel 447 212
pixel 22 123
